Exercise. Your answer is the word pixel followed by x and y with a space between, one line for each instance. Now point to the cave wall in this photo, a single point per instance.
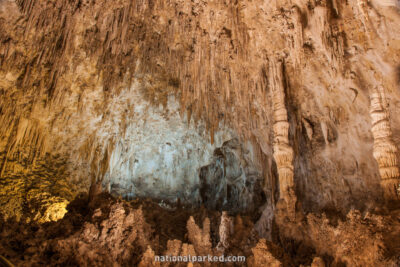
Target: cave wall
pixel 74 76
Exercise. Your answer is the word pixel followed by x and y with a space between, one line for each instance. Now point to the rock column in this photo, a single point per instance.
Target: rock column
pixel 283 152
pixel 385 150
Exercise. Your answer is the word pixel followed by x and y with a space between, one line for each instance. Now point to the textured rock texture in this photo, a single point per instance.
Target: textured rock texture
pixel 283 111
pixel 114 232
pixel 385 150
pixel 117 233
pixel 98 85
pixel 231 181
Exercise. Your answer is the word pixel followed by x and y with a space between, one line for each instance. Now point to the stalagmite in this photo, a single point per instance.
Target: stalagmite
pixel 385 150
pixel 199 237
pixel 142 132
pixel 263 256
pixel 225 230
pixel 283 152
pixel 318 262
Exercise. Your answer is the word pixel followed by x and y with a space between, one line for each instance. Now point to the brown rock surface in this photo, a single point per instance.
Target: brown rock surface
pixel 74 76
pixel 120 233
pixel 281 113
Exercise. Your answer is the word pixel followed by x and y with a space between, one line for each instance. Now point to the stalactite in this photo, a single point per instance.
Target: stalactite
pixel 62 50
pixel 283 152
pixel 385 150
pixel 28 139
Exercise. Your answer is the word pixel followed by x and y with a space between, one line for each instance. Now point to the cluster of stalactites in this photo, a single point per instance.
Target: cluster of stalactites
pixel 283 152
pixel 385 150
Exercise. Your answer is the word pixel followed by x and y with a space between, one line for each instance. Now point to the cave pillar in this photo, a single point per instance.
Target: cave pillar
pixel 385 151
pixel 283 152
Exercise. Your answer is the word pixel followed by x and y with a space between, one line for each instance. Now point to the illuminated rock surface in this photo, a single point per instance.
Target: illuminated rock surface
pixel 283 114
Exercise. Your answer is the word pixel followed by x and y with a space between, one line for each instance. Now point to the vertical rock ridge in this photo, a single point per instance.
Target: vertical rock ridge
pixel 385 150
pixel 283 152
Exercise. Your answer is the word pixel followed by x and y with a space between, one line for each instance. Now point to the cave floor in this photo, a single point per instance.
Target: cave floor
pixel 114 232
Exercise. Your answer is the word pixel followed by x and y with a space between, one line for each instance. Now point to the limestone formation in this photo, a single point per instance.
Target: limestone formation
pixel 140 94
pixel 200 238
pixel 283 152
pixel 318 262
pixel 225 231
pixel 121 233
pixel 385 150
pixel 148 259
pixel 127 127
pixel 263 257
